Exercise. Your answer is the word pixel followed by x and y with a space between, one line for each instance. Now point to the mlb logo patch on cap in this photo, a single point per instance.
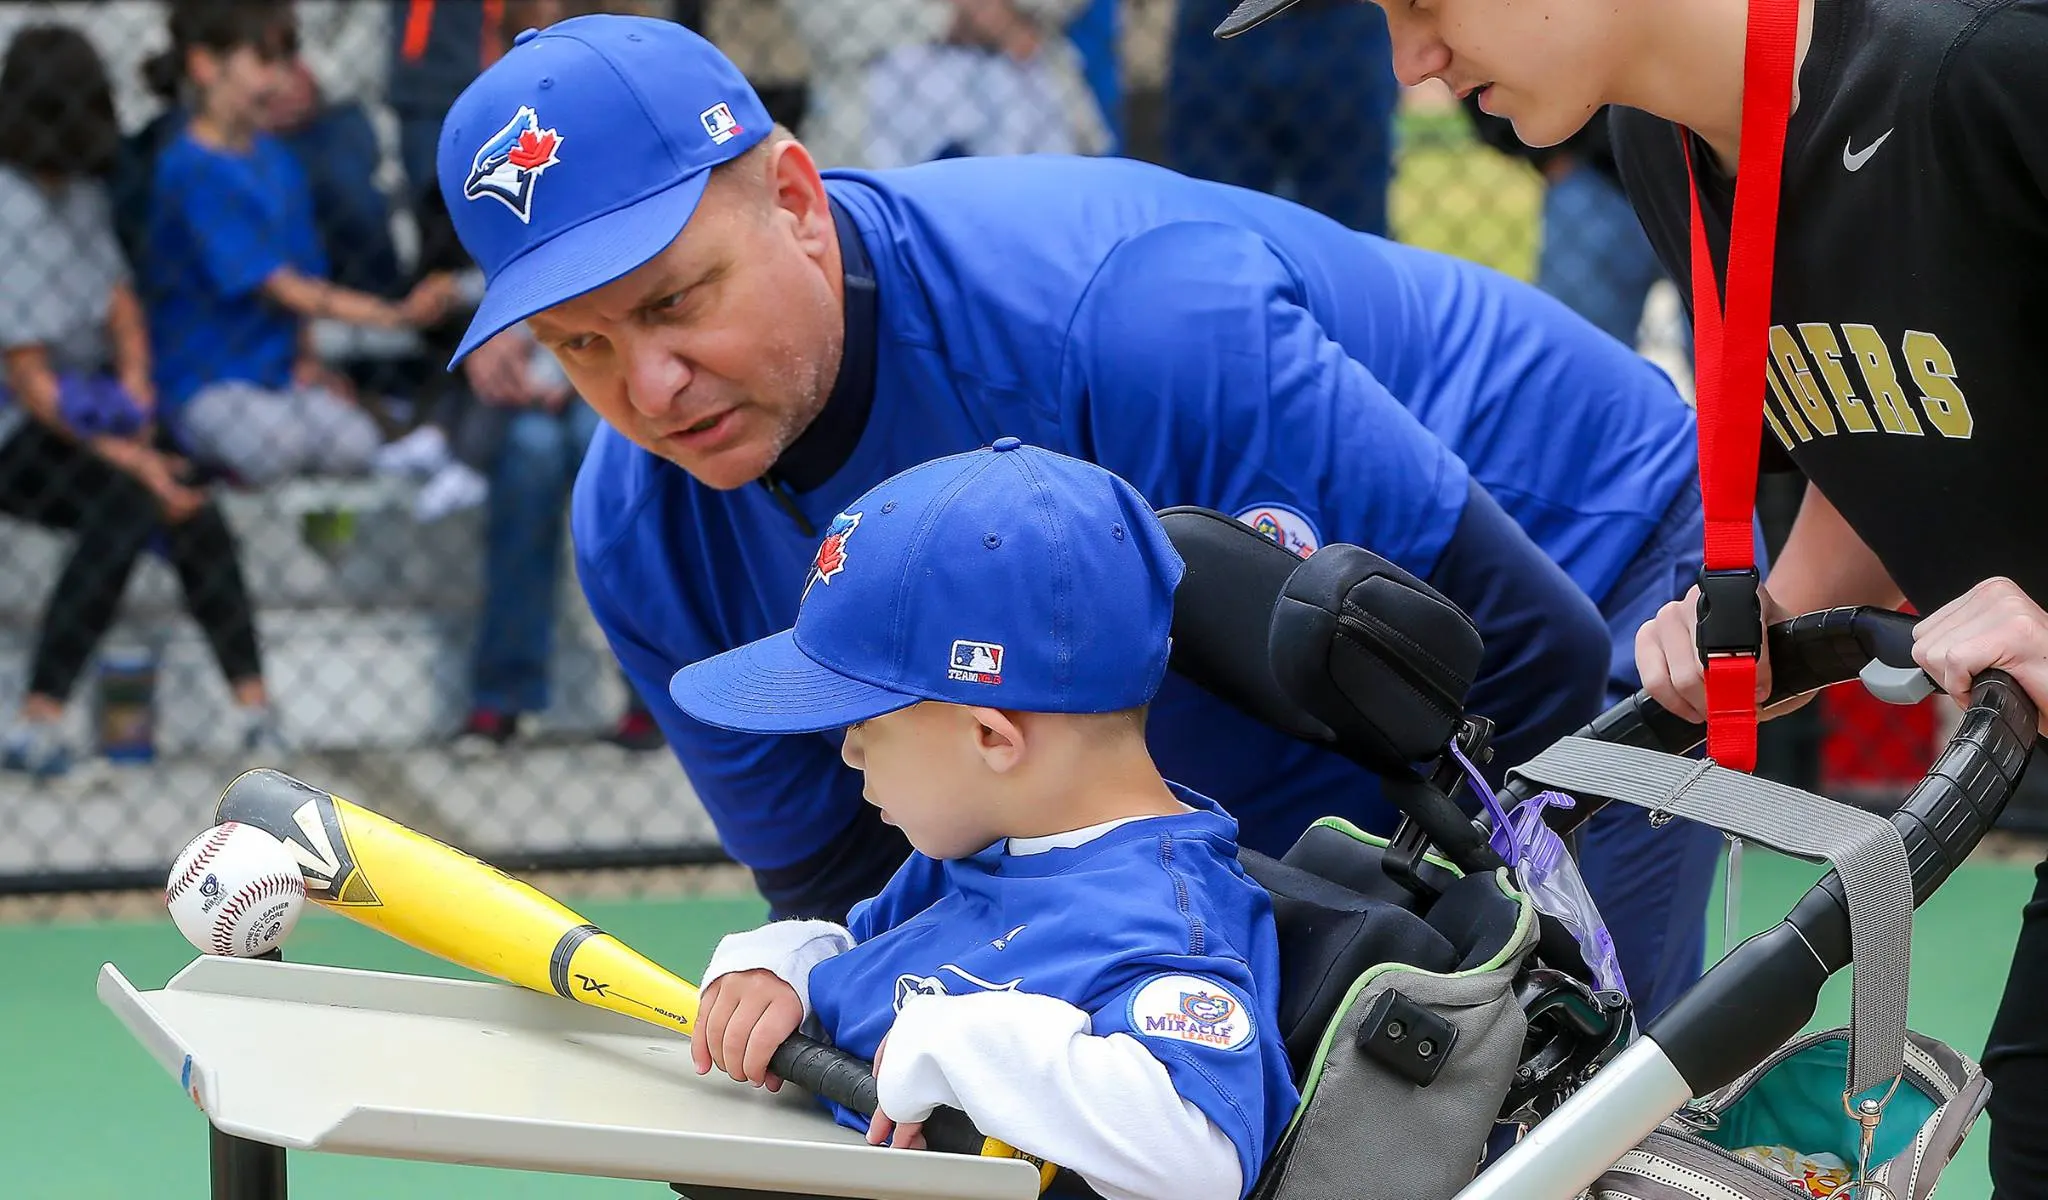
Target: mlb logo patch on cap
pixel 720 123
pixel 508 165
pixel 976 662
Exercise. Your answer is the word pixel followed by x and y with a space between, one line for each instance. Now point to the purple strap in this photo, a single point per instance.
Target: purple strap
pixel 1515 838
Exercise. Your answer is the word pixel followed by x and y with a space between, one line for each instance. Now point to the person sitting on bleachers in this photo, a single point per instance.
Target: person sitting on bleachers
pixel 77 444
pixel 234 272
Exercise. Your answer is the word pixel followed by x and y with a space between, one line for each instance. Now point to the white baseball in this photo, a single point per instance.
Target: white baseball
pixel 235 890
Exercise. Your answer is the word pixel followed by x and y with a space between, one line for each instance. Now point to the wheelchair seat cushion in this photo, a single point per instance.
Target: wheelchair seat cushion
pixel 1330 935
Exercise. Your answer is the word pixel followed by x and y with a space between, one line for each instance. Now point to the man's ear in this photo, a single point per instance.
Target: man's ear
pixel 799 191
pixel 999 737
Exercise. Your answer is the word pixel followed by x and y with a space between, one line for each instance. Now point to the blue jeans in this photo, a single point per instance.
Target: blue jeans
pixel 1595 256
pixel 1652 885
pixel 524 523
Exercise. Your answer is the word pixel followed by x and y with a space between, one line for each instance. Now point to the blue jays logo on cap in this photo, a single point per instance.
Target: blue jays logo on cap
pixel 507 166
pixel 831 557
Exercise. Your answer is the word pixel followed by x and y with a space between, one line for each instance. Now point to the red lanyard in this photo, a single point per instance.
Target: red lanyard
pixel 1730 352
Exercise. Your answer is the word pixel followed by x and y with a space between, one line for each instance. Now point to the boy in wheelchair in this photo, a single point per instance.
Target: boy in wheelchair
pixel 1074 956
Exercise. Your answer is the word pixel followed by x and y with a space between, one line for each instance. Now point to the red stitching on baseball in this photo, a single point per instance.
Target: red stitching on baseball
pixel 214 841
pixel 249 894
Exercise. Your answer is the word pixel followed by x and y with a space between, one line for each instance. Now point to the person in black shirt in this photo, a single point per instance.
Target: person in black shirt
pixel 1912 246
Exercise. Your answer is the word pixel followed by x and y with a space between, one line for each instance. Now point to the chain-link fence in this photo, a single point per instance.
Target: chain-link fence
pixel 246 517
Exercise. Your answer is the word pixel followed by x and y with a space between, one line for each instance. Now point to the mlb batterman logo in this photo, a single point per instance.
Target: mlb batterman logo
pixel 830 559
pixel 976 662
pixel 1185 1008
pixel 720 124
pixel 507 166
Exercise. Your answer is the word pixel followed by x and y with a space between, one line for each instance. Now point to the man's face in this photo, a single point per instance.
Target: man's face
pixel 1543 64
pixel 717 353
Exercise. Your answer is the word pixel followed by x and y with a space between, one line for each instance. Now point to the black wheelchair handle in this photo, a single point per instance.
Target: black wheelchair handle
pixel 1808 652
pixel 1765 991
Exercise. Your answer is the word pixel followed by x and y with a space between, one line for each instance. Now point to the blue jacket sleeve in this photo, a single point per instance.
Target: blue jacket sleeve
pixel 1196 371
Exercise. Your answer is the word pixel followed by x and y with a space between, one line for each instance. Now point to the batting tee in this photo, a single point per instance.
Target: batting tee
pixel 315 1058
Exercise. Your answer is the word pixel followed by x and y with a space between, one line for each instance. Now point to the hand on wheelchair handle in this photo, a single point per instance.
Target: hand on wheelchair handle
pixel 1668 660
pixel 1994 625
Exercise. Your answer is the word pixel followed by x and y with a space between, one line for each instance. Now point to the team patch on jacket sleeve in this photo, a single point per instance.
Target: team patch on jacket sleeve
pixel 1188 1008
pixel 1287 527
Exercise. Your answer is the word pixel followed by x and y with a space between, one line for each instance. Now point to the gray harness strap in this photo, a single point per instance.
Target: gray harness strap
pixel 1866 851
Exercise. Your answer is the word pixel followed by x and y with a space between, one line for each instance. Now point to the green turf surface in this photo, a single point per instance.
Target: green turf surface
pixel 87 1115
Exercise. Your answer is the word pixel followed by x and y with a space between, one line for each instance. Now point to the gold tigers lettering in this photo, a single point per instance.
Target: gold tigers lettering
pixel 1841 380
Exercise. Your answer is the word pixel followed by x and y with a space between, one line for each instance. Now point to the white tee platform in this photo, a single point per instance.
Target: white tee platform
pixel 398 1066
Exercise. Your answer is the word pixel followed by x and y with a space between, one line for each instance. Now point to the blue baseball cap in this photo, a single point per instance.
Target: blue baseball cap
pixel 582 153
pixel 1010 576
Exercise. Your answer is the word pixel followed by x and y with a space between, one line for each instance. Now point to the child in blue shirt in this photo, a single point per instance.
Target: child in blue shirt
pixel 234 269
pixel 1073 956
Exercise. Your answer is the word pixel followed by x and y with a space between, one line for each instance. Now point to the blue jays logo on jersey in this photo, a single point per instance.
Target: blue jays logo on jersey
pixel 830 559
pixel 507 166
pixel 908 985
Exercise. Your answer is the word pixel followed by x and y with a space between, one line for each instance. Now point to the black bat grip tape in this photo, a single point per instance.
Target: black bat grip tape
pixel 848 1081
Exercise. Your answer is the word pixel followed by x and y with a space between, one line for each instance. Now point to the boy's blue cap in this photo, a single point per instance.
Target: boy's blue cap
pixel 582 153
pixel 1010 577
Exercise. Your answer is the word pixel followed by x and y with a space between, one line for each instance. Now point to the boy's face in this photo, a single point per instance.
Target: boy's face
pixel 927 768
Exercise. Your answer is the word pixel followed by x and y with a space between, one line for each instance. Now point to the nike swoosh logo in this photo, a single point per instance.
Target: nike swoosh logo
pixel 1003 942
pixel 1854 159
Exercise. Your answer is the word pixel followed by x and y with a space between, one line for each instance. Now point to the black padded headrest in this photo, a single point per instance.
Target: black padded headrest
pixel 1375 653
pixel 1223 616
pixel 1344 648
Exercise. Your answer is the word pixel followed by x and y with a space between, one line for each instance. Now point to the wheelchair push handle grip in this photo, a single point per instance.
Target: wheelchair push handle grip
pixel 1808 652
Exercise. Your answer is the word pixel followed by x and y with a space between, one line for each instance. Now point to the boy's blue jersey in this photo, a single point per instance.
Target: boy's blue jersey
pixel 1152 929
pixel 1214 347
pixel 219 224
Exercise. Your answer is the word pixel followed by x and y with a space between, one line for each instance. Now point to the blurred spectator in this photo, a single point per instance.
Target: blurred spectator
pixel 756 36
pixel 896 82
pixel 512 437
pixel 1302 108
pixel 233 267
pixel 1097 37
pixel 77 438
pixel 1595 256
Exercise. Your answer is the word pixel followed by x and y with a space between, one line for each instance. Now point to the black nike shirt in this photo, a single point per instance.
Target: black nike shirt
pixel 1911 281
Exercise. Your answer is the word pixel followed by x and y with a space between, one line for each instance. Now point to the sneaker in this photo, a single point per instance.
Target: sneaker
pixel 485 732
pixel 261 734
pixel 38 750
pixel 452 489
pixel 418 454
pixel 637 731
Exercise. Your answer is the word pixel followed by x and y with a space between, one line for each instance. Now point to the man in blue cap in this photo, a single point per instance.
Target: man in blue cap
pixel 1073 948
pixel 766 342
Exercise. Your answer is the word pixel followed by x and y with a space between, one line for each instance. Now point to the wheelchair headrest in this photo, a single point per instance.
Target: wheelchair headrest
pixel 1343 649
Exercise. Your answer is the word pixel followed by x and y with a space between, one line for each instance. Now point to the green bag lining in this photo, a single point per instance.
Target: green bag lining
pixel 1524 930
pixel 1798 1103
